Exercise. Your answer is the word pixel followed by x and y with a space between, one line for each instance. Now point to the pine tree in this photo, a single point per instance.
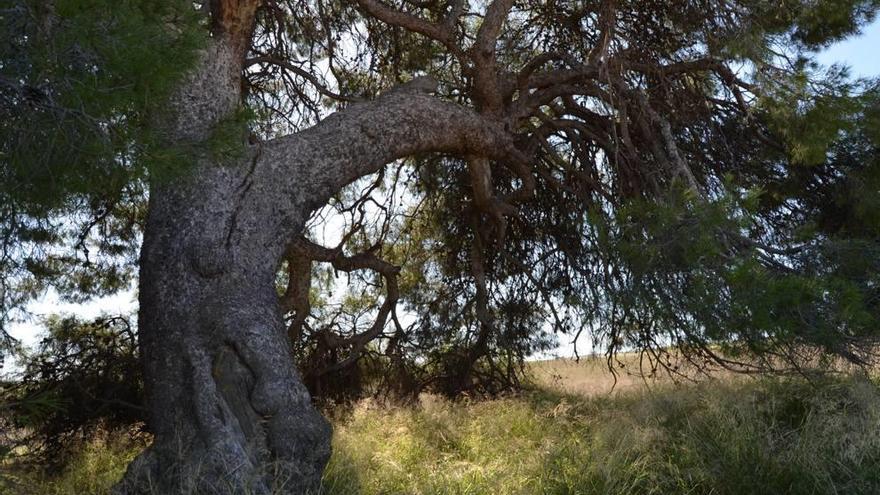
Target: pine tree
pixel 651 170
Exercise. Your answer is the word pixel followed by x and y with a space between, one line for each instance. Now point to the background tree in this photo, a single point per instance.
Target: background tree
pixel 587 165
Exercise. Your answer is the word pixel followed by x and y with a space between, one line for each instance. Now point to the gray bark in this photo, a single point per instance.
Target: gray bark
pixel 224 401
pixel 226 405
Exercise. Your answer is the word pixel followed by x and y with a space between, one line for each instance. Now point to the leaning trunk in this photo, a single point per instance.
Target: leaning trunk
pixel 227 408
pixel 225 403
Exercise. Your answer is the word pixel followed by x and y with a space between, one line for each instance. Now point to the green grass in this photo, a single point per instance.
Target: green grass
pixel 767 436
pixel 723 438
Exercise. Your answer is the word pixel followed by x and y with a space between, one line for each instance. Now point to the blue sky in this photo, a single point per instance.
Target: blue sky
pixel 860 53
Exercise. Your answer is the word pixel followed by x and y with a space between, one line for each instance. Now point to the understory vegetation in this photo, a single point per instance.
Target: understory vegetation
pixel 726 435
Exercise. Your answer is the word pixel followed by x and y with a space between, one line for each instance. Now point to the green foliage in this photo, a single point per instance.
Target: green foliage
pixel 818 24
pixel 85 376
pixel 82 81
pixel 777 260
pixel 687 275
pixel 769 25
pixel 810 111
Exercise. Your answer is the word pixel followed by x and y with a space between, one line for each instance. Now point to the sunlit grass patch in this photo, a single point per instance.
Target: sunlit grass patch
pixel 765 436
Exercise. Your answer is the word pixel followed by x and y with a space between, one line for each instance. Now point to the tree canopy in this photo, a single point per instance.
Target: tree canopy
pixel 685 175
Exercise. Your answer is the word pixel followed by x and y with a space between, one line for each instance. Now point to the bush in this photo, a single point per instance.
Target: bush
pixel 84 377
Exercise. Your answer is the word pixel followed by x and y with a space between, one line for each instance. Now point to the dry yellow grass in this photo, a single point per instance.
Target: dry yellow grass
pixel 576 435
pixel 589 376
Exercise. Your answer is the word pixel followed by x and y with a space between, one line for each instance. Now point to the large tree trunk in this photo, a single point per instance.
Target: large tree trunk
pixel 228 410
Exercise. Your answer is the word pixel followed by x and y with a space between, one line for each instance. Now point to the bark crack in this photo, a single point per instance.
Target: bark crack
pixel 246 183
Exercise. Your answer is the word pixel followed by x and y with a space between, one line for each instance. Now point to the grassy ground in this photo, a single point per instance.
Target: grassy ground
pixel 572 436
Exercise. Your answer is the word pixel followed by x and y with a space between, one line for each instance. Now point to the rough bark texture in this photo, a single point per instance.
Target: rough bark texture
pixel 225 403
pixel 228 410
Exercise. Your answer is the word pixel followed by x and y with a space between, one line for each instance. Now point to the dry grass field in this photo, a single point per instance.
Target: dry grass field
pixel 575 434
pixel 589 376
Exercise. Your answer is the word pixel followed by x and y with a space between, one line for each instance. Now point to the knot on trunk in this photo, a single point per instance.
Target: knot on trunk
pixel 210 260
